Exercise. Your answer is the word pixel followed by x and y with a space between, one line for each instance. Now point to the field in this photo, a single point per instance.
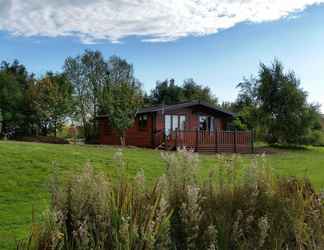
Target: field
pixel 25 170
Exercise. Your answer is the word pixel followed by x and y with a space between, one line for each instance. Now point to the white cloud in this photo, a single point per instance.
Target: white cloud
pixel 153 20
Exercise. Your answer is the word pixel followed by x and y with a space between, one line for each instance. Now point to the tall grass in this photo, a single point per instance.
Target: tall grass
pixel 237 207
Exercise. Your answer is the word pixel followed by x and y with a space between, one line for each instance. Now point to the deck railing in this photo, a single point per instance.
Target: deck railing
pixel 212 141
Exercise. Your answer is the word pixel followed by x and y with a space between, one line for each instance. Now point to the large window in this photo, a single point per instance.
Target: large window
pixel 174 122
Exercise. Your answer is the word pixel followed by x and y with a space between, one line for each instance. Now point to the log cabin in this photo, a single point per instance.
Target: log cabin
pixel 196 125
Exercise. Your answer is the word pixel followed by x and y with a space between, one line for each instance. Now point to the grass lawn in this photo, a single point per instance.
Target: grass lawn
pixel 25 169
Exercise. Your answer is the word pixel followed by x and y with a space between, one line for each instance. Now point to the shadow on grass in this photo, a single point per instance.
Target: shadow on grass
pixel 280 149
pixel 290 147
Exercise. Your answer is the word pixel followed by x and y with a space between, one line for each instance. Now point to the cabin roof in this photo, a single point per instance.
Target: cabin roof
pixel 182 105
pixel 161 107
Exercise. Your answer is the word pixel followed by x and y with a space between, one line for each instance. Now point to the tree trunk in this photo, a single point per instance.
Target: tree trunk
pixel 86 132
pixel 55 128
pixel 122 139
pixel 44 131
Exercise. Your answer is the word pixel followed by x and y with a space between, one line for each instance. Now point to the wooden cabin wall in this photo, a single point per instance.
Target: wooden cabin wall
pixel 135 136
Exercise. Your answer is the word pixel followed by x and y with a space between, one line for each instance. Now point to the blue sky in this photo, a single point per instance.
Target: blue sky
pixel 218 59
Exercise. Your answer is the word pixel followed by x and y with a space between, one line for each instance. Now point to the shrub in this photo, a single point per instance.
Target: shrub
pixel 317 138
pixel 44 139
pixel 237 207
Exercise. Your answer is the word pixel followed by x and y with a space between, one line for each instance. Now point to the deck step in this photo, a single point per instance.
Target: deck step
pixel 206 149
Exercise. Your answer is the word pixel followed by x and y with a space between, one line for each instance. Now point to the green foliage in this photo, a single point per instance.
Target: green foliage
pixel 193 92
pixel 44 139
pixel 168 92
pixel 16 114
pixel 237 124
pixel 103 87
pixel 51 98
pixel 237 207
pixel 121 97
pixel 274 104
pixel 246 104
pixel 87 74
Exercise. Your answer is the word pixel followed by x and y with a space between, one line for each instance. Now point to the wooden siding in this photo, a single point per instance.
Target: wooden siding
pixel 135 135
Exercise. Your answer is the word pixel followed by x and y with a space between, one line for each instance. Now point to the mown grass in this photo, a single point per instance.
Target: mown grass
pixel 25 169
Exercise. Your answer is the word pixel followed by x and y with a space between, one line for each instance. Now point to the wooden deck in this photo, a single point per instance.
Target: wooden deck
pixel 210 142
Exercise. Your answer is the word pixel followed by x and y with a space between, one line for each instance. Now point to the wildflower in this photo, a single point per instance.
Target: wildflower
pixel 119 158
pixel 264 226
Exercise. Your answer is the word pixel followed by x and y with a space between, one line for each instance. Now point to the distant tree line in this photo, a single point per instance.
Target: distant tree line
pixel 168 92
pixel 272 102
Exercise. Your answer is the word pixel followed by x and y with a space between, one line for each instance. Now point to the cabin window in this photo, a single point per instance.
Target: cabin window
pixel 202 122
pixel 142 121
pixel 167 124
pixel 206 123
pixel 182 121
pixel 174 122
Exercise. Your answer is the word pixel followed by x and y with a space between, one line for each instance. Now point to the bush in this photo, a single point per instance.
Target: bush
pixel 44 139
pixel 237 207
pixel 317 138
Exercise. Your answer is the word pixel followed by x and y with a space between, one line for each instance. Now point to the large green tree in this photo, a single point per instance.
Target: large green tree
pixel 168 92
pixel 122 96
pixel 16 113
pixel 192 91
pixel 275 102
pixel 87 73
pixel 246 104
pixel 51 98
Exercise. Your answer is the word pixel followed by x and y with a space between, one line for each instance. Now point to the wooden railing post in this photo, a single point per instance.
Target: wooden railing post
pixel 216 140
pixel 235 141
pixel 197 138
pixel 252 141
pixel 176 138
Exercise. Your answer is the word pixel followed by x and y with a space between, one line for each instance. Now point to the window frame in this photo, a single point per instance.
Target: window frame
pixel 209 120
pixel 172 116
pixel 143 123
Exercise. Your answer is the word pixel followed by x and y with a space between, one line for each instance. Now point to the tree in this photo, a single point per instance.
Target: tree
pixel 15 108
pixel 122 96
pixel 52 101
pixel 87 74
pixel 193 92
pixel 276 101
pixel 246 104
pixel 166 92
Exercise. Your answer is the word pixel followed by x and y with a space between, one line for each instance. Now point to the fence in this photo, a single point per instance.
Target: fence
pixel 217 141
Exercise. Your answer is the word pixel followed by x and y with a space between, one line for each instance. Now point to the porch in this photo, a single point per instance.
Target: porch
pixel 217 141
